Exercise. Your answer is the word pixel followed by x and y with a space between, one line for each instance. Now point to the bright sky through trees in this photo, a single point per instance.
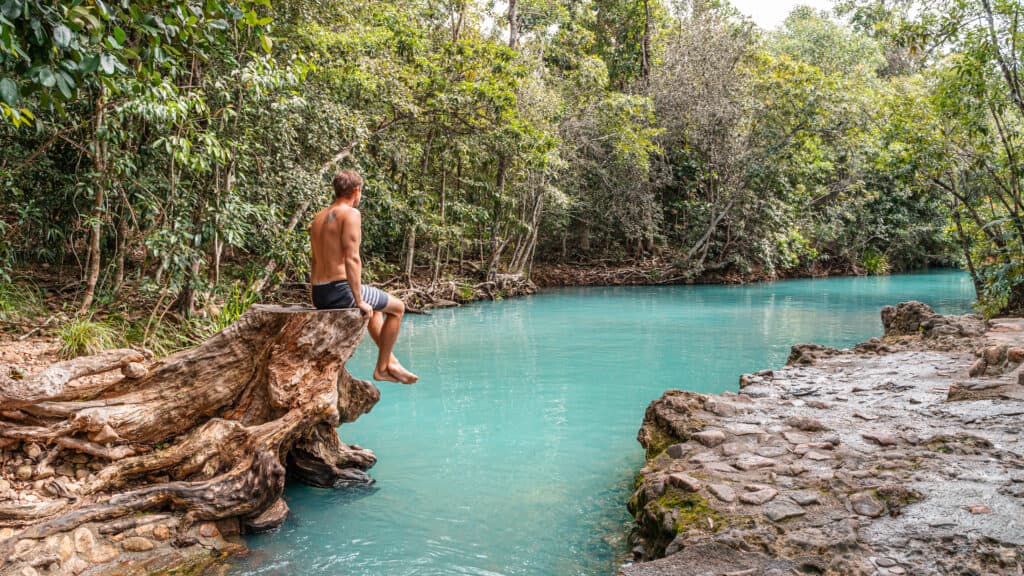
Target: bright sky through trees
pixel 770 13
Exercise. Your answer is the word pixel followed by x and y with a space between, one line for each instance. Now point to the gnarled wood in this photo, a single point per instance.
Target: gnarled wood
pixel 207 434
pixel 52 382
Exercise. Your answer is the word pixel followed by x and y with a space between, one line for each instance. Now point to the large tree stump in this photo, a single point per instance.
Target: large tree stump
pixel 207 435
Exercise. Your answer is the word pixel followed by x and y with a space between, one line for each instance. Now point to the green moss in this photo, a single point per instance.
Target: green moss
pixel 657 441
pixel 693 511
pixel 897 496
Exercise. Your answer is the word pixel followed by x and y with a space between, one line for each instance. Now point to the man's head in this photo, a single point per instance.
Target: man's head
pixel 347 184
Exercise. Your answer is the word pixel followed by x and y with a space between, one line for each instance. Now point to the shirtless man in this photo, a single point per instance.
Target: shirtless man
pixel 336 273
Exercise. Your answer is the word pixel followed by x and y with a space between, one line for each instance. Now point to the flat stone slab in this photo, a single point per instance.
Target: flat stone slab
pixel 723 492
pixel 759 497
pixel 752 462
pixel 779 511
pixel 710 438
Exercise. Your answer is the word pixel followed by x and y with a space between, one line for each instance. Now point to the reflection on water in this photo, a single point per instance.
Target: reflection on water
pixel 515 452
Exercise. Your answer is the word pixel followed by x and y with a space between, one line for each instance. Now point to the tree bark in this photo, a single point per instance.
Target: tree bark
pixel 99 157
pixel 206 434
pixel 513 24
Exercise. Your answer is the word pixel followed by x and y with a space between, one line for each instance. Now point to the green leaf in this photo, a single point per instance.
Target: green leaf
pixel 267 43
pixel 83 13
pixel 46 77
pixel 66 89
pixel 9 91
pixel 11 8
pixel 107 63
pixel 61 36
pixel 90 64
pixel 119 35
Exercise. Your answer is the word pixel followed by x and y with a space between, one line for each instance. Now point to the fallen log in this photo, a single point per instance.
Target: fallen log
pixel 205 437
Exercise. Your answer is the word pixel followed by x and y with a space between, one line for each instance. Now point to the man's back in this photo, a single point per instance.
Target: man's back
pixel 326 234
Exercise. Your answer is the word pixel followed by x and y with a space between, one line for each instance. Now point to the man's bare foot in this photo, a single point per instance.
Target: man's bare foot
pixel 384 376
pixel 396 370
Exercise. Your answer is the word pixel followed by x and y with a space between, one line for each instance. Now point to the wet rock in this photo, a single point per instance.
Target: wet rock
pixel 779 511
pixel 684 481
pixel 805 423
pixel 809 354
pixel 710 438
pixel 865 504
pixel 723 492
pixel 138 544
pixel 759 497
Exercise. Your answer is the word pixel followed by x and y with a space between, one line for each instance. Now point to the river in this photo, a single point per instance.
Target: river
pixel 515 453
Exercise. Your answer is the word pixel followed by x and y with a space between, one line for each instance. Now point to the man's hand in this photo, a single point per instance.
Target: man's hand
pixel 366 310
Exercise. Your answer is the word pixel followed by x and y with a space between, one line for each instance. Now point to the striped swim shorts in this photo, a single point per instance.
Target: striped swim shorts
pixel 338 294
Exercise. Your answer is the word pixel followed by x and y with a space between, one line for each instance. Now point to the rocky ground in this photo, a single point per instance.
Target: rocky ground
pixel 904 455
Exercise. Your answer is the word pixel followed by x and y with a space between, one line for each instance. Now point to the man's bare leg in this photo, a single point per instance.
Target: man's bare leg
pixel 374 327
pixel 392 320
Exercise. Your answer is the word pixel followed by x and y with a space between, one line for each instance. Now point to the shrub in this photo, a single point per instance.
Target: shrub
pixel 236 302
pixel 874 262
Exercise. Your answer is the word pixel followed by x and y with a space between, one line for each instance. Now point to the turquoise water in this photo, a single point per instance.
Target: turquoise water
pixel 515 452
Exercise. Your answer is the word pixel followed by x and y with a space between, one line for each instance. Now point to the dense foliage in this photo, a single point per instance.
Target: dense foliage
pixel 168 149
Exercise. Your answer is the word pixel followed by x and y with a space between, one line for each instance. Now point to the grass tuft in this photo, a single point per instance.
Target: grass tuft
pixel 18 300
pixel 83 336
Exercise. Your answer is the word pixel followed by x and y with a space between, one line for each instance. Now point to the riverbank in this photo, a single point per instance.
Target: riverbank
pixel 903 455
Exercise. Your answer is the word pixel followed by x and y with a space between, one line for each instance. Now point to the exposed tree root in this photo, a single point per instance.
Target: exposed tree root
pixel 206 434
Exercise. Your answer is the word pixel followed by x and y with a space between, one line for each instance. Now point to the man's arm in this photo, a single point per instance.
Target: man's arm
pixel 312 267
pixel 351 237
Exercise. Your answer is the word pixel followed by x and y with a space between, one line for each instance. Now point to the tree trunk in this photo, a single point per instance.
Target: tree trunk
pixel 645 47
pixel 99 157
pixel 410 254
pixel 441 240
pixel 205 434
pixel 513 23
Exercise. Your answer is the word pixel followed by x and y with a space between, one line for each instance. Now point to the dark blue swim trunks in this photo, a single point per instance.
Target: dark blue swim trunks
pixel 338 294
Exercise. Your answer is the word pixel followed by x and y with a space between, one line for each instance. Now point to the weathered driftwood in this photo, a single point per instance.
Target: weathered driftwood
pixel 206 434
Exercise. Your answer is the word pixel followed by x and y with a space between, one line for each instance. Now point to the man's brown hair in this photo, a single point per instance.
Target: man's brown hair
pixel 346 182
